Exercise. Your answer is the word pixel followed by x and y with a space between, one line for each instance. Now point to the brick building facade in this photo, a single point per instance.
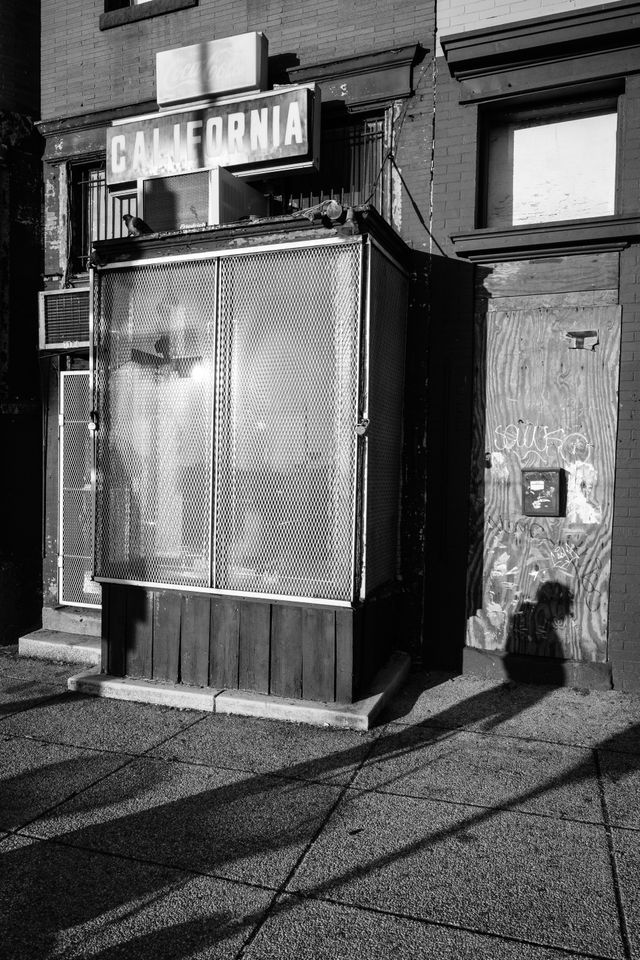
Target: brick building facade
pixel 482 584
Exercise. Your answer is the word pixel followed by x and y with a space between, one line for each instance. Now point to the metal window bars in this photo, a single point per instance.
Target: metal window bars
pixel 352 173
pixel 352 170
pixel 96 211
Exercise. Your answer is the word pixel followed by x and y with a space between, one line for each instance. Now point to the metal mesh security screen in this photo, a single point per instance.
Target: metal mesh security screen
pixel 76 499
pixel 287 408
pixel 155 377
pixel 388 308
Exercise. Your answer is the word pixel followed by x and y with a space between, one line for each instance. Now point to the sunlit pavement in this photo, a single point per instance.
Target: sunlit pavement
pixel 477 820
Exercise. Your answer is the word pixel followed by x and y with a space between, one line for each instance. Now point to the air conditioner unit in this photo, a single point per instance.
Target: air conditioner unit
pixel 64 318
pixel 197 199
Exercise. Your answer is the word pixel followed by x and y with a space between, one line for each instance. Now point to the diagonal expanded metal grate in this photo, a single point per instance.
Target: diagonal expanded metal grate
pixel 155 378
pixel 287 404
pixel 283 373
pixel 76 500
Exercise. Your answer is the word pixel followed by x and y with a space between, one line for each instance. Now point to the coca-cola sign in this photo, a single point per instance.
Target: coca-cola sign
pixel 212 69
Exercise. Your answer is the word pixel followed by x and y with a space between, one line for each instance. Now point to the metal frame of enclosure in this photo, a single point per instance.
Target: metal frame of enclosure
pixel 249 412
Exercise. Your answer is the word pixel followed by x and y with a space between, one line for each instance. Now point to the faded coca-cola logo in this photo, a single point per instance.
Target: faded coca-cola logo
pixel 203 69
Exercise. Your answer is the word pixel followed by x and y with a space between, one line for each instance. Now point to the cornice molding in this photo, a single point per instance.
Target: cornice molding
pixel 97 118
pixel 365 81
pixel 547 239
pixel 606 27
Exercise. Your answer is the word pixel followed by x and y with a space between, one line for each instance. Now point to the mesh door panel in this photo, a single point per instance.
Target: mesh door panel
pixel 388 306
pixel 76 502
pixel 155 378
pixel 288 368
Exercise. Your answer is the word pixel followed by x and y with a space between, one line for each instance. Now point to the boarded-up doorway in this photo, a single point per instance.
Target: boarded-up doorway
pixel 548 379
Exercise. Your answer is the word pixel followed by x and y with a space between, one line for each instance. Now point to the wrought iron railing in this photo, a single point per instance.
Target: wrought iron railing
pixel 352 171
pixel 96 212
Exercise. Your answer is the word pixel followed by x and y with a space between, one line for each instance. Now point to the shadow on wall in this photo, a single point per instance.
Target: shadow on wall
pixel 537 624
pixel 448 404
pixel 536 627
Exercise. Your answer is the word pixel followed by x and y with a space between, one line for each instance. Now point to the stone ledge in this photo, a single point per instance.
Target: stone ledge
pixel 78 621
pixel 143 691
pixel 61 646
pixel 353 716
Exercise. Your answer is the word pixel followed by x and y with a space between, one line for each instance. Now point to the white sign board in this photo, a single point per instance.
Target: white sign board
pixel 274 130
pixel 212 69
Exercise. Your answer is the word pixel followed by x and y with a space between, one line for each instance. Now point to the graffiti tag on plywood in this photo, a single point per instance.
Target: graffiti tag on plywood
pixel 538 444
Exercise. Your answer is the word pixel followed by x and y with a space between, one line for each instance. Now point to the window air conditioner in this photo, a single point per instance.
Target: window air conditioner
pixel 197 199
pixel 64 319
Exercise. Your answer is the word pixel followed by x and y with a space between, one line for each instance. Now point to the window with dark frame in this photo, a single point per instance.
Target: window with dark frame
pixel 548 163
pixel 110 5
pixel 95 212
pixel 120 12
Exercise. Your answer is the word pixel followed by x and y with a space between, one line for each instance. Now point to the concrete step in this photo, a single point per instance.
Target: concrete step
pixel 58 645
pixel 86 621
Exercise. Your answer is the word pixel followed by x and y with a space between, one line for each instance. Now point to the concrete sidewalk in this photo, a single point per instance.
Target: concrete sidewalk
pixel 477 821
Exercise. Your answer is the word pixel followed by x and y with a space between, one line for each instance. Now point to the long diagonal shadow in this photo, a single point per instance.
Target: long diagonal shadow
pixel 155 836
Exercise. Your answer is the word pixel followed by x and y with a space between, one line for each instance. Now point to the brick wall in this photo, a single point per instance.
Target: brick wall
pixel 624 603
pixel 455 161
pixel 454 195
pixel 457 16
pixel 85 69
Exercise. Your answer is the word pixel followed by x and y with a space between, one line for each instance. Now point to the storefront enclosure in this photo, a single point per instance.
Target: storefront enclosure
pixel 243 450
pixel 227 450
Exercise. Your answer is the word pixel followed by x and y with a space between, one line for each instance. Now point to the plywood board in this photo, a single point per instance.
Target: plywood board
pixel 539 585
pixel 549 275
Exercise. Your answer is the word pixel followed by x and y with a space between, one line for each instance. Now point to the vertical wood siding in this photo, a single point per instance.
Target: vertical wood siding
pixel 285 650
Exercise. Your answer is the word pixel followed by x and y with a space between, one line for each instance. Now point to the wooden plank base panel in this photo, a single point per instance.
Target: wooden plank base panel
pixel 297 651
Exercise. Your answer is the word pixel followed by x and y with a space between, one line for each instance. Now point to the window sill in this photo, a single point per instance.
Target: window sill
pixel 568 236
pixel 116 18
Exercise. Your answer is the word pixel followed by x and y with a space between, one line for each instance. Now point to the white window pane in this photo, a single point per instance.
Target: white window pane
pixel 564 170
